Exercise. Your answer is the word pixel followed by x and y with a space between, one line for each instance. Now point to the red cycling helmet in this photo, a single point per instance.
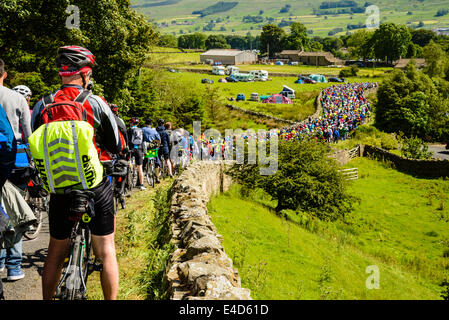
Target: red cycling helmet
pixel 134 121
pixel 72 60
pixel 114 108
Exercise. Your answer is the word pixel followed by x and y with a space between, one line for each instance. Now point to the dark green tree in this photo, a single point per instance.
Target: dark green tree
pixel 216 42
pixel 422 37
pixel 195 40
pixel 168 40
pixel 437 61
pixel 272 39
pixel 411 103
pixel 390 41
pixel 359 44
pixel 31 31
pixel 298 38
pixel 306 179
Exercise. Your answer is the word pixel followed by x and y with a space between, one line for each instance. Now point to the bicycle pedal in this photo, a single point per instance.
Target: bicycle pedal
pixel 98 267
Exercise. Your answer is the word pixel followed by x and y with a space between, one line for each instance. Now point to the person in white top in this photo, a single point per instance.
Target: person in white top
pixel 16 108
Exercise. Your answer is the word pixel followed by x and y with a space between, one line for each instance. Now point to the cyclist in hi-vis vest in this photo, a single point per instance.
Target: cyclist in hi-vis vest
pixel 67 145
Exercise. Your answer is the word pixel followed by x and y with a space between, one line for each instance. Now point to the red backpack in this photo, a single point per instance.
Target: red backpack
pixel 61 107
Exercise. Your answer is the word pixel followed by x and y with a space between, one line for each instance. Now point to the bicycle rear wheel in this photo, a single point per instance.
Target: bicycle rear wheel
pixel 73 284
pixel 149 173
pixel 39 206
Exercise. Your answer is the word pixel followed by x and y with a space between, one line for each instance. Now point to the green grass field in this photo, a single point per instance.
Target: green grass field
pixel 400 226
pixel 178 15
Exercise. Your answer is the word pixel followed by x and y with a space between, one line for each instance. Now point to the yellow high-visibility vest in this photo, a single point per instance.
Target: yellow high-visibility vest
pixel 65 156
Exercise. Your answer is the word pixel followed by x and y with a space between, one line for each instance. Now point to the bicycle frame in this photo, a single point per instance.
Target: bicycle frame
pixel 150 171
pixel 72 285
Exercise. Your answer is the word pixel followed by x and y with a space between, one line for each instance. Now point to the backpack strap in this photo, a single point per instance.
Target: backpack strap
pixel 81 99
pixel 48 99
pixel 83 96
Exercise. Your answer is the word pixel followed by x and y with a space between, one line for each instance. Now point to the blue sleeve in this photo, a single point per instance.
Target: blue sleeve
pixel 35 117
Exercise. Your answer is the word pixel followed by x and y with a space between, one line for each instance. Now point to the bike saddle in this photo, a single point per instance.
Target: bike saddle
pixel 79 200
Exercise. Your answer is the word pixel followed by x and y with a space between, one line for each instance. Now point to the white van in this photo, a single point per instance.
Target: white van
pixel 218 70
pixel 230 70
pixel 259 75
pixel 288 92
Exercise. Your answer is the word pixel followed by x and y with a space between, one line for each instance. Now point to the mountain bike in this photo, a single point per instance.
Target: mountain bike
pixel 119 174
pixel 81 264
pixel 134 176
pixel 149 170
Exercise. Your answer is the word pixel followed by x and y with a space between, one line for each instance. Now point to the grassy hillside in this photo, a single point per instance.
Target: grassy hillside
pixel 177 14
pixel 400 226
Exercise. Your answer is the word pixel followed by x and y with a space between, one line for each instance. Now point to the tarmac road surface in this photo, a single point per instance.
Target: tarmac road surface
pixel 34 253
pixel 439 151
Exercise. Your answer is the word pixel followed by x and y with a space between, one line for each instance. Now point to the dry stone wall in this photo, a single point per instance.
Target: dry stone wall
pixel 199 268
pixel 433 168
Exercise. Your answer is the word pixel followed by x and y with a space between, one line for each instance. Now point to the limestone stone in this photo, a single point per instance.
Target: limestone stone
pixel 199 268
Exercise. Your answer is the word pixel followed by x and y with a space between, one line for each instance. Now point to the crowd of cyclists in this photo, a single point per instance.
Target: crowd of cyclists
pixel 73 141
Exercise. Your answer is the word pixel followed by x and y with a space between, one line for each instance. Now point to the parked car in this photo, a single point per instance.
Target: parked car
pixel 304 80
pixel 240 97
pixel 231 79
pixel 254 96
pixel 359 64
pixel 207 81
pixel 335 79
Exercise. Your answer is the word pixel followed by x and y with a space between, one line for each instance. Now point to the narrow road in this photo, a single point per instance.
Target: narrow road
pixel 34 253
pixel 439 151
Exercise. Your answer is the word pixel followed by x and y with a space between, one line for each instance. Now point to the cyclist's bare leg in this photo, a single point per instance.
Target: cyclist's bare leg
pixel 140 174
pixel 104 249
pixel 57 252
pixel 169 167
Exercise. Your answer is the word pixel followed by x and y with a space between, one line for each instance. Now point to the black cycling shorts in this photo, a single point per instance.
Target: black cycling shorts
pixel 101 224
pixel 138 155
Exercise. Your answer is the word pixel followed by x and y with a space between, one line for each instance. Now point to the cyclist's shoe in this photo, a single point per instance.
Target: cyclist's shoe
pixel 141 187
pixel 15 274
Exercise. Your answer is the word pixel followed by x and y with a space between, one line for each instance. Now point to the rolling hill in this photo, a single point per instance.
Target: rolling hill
pixel 320 17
